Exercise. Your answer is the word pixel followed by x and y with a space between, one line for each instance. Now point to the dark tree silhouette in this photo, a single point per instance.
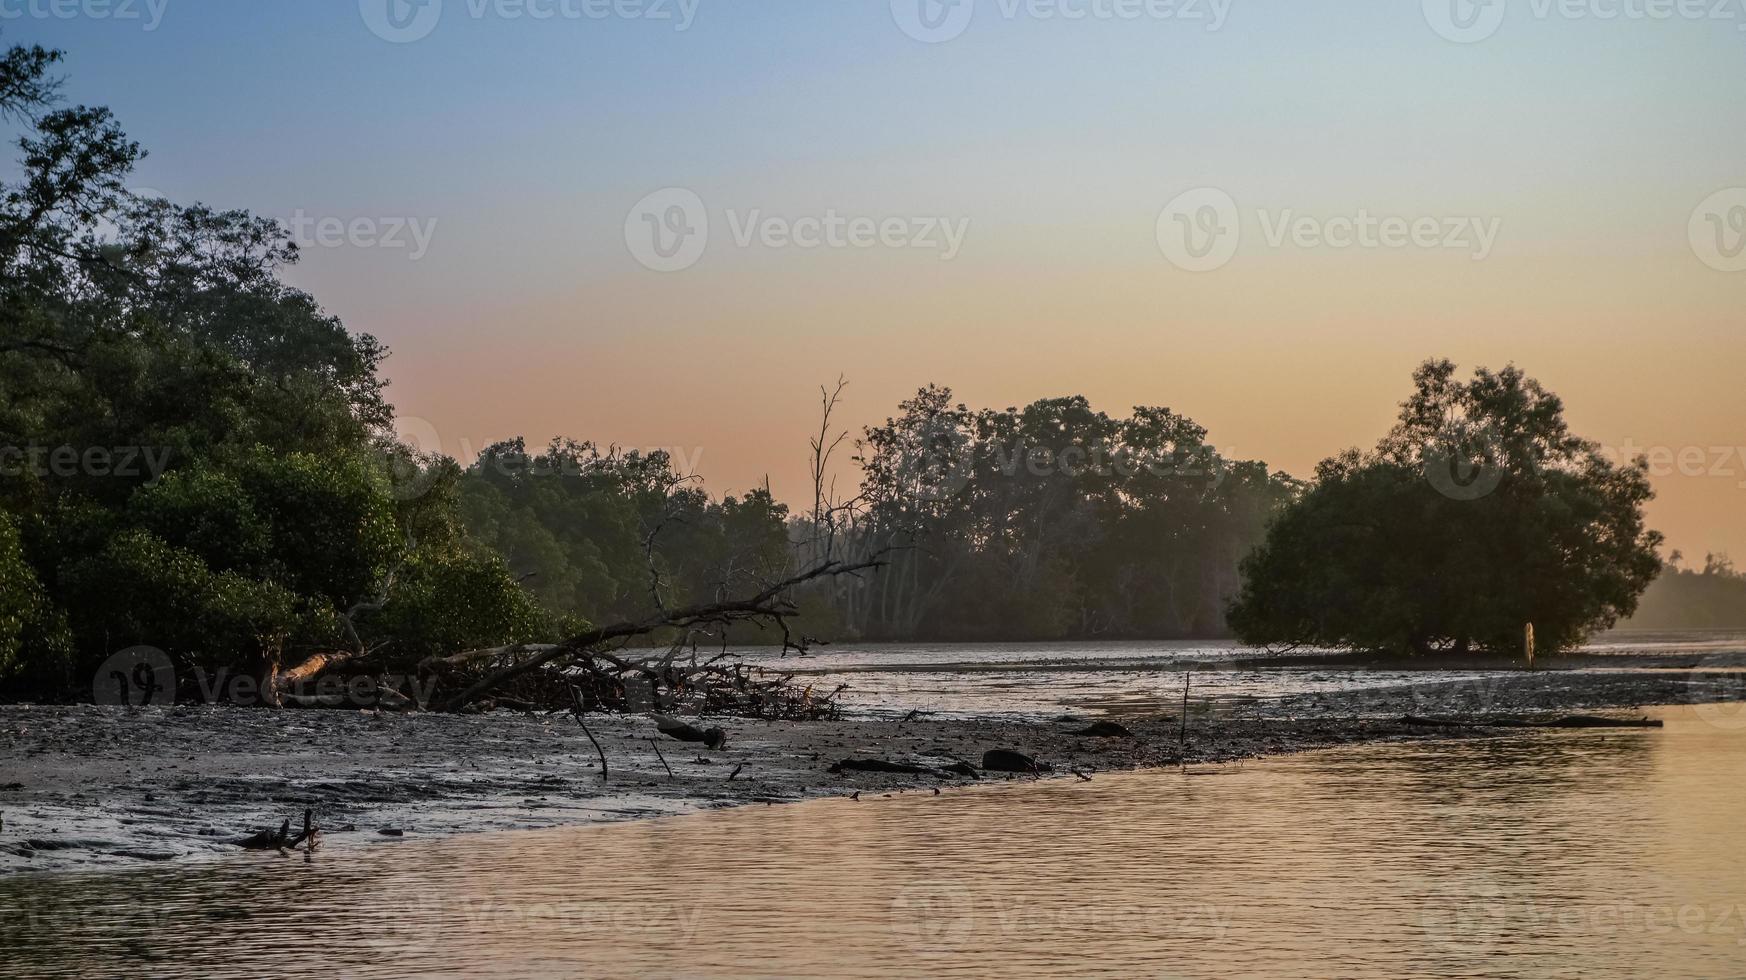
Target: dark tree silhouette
pixel 1479 513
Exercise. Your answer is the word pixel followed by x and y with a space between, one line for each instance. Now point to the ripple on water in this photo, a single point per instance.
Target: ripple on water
pixel 1595 854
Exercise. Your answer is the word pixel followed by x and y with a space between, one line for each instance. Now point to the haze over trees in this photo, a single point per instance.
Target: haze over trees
pixel 1480 512
pixel 1050 521
pixel 1712 596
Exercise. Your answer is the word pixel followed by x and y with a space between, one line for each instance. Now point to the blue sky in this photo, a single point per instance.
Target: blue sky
pixel 525 142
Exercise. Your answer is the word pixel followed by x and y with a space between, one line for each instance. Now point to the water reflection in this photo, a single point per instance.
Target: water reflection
pixel 1040 680
pixel 1613 853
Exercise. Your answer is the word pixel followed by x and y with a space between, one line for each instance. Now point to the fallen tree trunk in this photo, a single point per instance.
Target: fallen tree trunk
pixel 771 604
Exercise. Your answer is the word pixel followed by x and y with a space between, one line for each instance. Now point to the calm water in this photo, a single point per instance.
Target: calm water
pixel 1043 680
pixel 1594 854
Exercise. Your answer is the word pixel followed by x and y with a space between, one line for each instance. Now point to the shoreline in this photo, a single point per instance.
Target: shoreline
pixel 91 788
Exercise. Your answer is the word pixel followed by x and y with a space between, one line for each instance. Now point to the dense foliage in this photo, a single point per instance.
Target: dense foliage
pixel 1051 521
pixel 195 455
pixel 604 535
pixel 1478 514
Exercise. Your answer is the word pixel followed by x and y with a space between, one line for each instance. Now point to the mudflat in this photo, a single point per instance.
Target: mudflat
pixel 86 786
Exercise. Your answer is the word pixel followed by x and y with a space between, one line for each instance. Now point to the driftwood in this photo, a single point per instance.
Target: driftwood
pixel 534 677
pixel 964 769
pixel 772 604
pixel 1006 760
pixel 1103 729
pixel 543 676
pixel 713 738
pixel 282 839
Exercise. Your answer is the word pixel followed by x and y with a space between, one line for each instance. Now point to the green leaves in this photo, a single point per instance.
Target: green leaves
pixel 1396 551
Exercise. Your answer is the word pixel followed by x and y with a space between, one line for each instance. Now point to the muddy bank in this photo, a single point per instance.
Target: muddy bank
pixel 84 786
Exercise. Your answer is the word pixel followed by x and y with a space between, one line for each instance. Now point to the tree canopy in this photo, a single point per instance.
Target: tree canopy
pixel 1479 513
pixel 1051 521
pixel 196 456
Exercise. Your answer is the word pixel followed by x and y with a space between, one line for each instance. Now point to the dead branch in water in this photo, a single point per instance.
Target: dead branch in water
pixel 585 652
pixel 281 840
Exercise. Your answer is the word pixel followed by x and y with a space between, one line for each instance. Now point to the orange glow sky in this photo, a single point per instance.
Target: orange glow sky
pixel 1592 143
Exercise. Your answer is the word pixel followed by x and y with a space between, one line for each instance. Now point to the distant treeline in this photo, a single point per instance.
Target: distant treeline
pixel 1713 597
pixel 1049 522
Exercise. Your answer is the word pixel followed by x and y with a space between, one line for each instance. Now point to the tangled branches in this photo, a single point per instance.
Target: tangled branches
pixel 591 662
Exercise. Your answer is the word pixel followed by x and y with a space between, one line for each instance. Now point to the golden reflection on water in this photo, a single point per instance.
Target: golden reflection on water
pixel 1595 854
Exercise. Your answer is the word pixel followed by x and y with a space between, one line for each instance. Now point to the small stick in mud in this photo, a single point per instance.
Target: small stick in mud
pixel 736 772
pixel 576 709
pixel 657 747
pixel 311 834
pixel 1182 733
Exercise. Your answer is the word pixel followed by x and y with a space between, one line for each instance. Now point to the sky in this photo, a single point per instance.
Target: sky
pixel 664 223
